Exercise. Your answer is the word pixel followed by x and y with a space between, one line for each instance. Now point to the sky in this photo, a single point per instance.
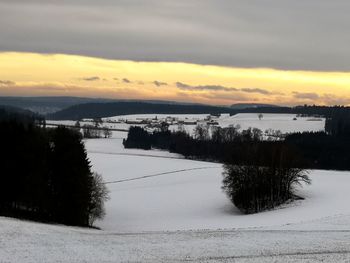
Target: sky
pixel 217 52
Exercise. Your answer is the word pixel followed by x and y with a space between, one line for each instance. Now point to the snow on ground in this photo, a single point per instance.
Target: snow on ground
pixel 164 208
pixel 162 191
pixel 186 195
pixel 23 241
pixel 283 122
pixel 142 213
pixel 114 146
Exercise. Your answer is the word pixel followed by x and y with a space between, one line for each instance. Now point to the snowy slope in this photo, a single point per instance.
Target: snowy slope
pixel 114 146
pixel 283 122
pixel 161 194
pixel 186 195
pixel 164 208
pixel 22 241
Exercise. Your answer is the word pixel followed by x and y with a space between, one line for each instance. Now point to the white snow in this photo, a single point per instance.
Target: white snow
pixel 282 122
pixel 114 146
pixel 22 241
pixel 164 208
pixel 186 195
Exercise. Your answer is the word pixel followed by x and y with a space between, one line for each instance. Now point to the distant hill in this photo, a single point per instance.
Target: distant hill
pixel 77 108
pixel 48 105
pixel 94 110
pixel 10 112
pixel 240 106
pixel 45 105
pixel 12 109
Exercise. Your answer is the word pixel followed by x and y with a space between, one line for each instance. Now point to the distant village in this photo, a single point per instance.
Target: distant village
pixel 170 120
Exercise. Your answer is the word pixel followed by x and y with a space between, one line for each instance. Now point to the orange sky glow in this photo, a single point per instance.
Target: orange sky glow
pixel 31 74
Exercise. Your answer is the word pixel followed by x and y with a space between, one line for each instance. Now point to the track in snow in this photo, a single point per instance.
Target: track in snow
pixel 159 174
pixel 141 155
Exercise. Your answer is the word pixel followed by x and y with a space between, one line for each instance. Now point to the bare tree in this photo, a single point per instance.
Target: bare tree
pixel 98 195
pixel 97 122
pixel 201 132
pixel 107 132
pixel 266 179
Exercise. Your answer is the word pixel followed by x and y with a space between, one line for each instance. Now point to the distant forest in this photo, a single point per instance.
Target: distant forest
pixel 96 110
pixel 100 110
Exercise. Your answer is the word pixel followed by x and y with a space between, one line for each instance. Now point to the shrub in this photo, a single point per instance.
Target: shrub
pixel 138 138
pixel 98 195
pixel 253 187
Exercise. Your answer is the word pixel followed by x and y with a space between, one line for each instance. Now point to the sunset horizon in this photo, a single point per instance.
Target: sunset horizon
pixel 34 74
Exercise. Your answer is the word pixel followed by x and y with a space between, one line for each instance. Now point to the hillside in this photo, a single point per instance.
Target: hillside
pixel 93 110
pixel 10 112
pixel 45 105
pixel 149 221
pixel 240 106
pixel 326 240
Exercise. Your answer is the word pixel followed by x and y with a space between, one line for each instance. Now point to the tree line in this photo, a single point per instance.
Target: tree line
pixel 314 150
pixel 46 174
pixel 94 131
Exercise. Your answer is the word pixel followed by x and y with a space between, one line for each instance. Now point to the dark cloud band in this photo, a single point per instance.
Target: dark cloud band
pixel 304 35
pixel 184 86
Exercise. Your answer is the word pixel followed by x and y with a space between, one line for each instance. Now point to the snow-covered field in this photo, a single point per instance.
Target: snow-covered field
pixel 164 208
pixel 32 242
pixel 180 194
pixel 186 195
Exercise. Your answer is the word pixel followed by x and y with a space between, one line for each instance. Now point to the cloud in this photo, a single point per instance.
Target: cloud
pixel 306 95
pixel 159 83
pixel 125 80
pixel 184 86
pixel 227 32
pixel 330 99
pixel 94 78
pixel 7 82
pixel 256 90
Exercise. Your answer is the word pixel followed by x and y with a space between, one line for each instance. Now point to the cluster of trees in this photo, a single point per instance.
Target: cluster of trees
pixel 321 150
pixel 316 150
pixel 215 143
pixel 138 138
pixel 46 175
pixel 93 131
pixel 24 116
pixel 338 122
pixel 265 180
